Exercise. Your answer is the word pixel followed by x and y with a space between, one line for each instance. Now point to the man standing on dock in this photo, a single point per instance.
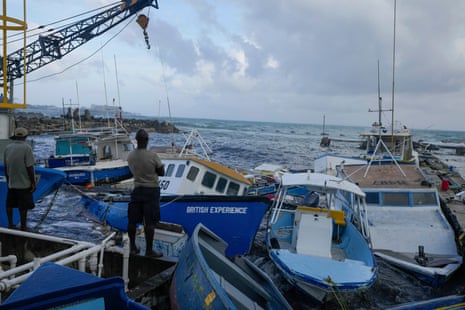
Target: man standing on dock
pixel 144 206
pixel 19 172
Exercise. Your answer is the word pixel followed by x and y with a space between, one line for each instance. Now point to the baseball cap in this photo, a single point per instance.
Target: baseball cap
pixel 20 132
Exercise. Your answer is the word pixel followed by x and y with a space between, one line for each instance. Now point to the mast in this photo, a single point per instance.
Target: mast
pixel 393 71
pixel 380 100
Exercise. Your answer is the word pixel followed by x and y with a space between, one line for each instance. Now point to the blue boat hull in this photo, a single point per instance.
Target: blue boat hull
pixel 57 162
pixel 49 180
pixel 89 175
pixel 205 279
pixel 318 275
pixel 235 219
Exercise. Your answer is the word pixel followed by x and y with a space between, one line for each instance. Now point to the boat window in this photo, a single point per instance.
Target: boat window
pixel 208 179
pixel 180 170
pixel 106 152
pixel 372 198
pixel 221 185
pixel 192 174
pixel 72 146
pixel 395 199
pixel 233 188
pixel 169 170
pixel 420 199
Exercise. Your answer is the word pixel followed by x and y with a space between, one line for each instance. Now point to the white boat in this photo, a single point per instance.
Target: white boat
pixel 406 222
pixel 190 171
pixel 387 142
pixel 321 244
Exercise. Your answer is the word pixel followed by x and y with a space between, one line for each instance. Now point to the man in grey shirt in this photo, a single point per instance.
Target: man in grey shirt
pixel 19 172
pixel 144 206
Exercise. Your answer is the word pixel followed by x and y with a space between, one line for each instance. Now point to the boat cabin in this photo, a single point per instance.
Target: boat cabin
pixel 192 175
pixel 86 148
pixel 383 143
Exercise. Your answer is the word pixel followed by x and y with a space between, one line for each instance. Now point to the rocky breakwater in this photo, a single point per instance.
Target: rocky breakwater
pixel 38 123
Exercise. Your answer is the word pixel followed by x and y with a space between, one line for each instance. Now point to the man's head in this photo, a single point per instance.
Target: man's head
pixel 142 138
pixel 20 134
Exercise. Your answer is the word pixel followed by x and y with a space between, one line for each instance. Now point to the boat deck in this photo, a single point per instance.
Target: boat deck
pixel 386 176
pixel 453 205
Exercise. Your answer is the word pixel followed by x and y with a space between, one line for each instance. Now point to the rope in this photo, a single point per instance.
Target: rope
pixel 339 300
pixel 52 202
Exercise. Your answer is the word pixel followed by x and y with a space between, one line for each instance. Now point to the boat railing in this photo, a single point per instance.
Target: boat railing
pixel 362 218
pixel 278 204
pixel 192 139
pixel 382 144
pixel 81 252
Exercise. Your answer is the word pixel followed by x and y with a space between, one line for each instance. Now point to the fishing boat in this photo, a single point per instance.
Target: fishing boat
pixel 407 225
pixel 189 170
pixel 235 219
pixel 206 279
pixel 406 222
pixel 46 272
pixel 321 242
pixel 93 155
pixel 48 181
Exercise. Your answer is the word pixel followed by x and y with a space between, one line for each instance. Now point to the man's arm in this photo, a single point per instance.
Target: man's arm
pixel 161 170
pixel 32 177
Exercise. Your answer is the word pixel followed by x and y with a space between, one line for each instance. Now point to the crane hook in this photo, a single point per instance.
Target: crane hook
pixel 143 21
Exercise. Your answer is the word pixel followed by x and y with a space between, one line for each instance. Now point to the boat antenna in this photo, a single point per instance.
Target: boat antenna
pixel 78 106
pixel 64 114
pixel 171 121
pixel 165 84
pixel 380 100
pixel 380 109
pixel 393 72
pixel 119 98
pixel 105 90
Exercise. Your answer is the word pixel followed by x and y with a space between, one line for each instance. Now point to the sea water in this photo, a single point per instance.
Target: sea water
pixel 245 145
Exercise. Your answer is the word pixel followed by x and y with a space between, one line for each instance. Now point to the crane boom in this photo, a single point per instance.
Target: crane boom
pixel 55 45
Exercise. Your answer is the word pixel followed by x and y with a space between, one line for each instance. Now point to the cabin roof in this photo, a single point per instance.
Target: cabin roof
pixel 320 182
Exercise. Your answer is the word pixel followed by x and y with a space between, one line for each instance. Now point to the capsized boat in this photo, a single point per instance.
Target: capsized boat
pixel 206 279
pixel 321 243
pixel 236 219
pixel 48 180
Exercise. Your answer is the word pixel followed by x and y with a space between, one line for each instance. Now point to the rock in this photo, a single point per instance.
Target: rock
pixel 37 123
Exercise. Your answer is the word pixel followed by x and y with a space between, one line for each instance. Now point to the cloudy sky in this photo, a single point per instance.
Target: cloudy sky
pixel 279 61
